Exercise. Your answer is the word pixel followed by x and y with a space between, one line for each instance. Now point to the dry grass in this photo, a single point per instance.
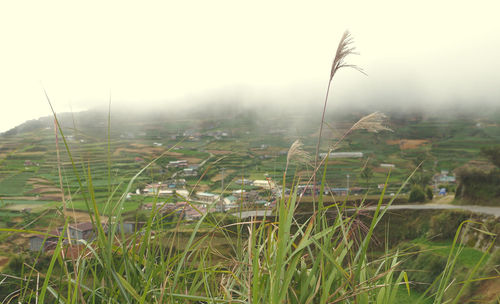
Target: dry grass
pixel 297 153
pixel 344 49
pixel 373 122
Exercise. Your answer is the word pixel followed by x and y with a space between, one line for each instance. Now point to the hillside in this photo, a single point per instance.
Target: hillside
pixel 243 142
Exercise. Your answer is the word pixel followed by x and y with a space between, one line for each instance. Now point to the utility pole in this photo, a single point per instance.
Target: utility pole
pixel 347 183
pixel 222 182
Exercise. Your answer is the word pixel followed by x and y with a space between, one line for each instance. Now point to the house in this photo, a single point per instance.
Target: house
pixel 177 163
pixel 229 200
pixel 356 190
pixel 444 177
pixel 307 189
pixel 161 207
pixel 263 184
pixel 245 195
pixel 158 189
pixel 243 182
pixel 339 191
pixel 238 193
pixel 130 227
pixel 188 212
pixel 390 166
pixel 220 206
pixel 190 172
pixel 343 155
pixel 207 197
pixel 175 183
pixel 81 231
pixel 192 214
pixel 183 193
pixel 166 192
pixel 41 242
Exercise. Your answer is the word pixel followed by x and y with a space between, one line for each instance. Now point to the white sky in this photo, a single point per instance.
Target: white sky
pixel 165 52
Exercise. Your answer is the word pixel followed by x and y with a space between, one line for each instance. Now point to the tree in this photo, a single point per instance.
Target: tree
pixel 493 154
pixel 367 174
pixel 416 195
pixel 429 193
pixel 422 179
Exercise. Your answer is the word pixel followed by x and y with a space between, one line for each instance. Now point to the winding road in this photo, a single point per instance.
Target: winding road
pixel 488 210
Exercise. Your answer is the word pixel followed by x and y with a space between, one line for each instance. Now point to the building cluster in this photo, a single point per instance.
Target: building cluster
pixel 78 231
pixel 75 233
pixel 184 210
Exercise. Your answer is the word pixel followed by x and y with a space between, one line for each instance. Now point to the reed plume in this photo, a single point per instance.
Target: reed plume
pixel 297 153
pixel 373 122
pixel 344 49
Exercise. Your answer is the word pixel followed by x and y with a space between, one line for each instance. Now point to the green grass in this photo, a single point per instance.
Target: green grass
pixel 414 296
pixel 468 257
pixel 15 184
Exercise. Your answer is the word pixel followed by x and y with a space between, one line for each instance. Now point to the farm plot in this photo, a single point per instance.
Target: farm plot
pixel 15 184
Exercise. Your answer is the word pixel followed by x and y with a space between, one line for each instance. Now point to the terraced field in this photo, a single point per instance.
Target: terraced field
pixel 29 164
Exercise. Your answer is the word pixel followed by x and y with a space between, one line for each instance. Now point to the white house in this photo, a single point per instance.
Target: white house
pixel 387 166
pixel 343 155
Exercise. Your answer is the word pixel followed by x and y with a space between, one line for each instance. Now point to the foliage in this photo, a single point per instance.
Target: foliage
pixel 367 174
pixel 428 193
pixel 493 154
pixel 443 226
pixel 478 184
pixel 416 194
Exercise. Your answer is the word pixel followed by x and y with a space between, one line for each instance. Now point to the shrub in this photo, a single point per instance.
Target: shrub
pixel 429 194
pixel 445 224
pixel 416 195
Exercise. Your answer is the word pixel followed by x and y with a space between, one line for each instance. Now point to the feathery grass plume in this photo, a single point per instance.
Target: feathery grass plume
pixel 344 49
pixel 297 153
pixel 373 122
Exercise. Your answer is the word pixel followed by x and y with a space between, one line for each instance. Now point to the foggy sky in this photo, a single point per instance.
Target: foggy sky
pixel 163 53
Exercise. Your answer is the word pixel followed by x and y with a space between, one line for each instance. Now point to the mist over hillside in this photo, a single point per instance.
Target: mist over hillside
pixel 301 117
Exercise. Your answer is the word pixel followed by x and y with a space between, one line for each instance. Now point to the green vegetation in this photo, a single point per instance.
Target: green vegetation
pixel 416 195
pixel 479 181
pixel 313 248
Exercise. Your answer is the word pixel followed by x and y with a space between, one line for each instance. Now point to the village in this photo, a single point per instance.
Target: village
pixel 171 198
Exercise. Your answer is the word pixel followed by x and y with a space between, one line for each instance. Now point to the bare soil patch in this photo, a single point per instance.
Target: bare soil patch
pixel 381 169
pixel 173 154
pixel 21 198
pixel 19 207
pixel 218 176
pixel 489 290
pixel 51 197
pixel 406 144
pixel 140 150
pixel 201 187
pixel 80 216
pixel 46 189
pixel 192 160
pixel 3 261
pixel 37 180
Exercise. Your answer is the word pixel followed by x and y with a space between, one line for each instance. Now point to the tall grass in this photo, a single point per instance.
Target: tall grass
pixel 278 259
